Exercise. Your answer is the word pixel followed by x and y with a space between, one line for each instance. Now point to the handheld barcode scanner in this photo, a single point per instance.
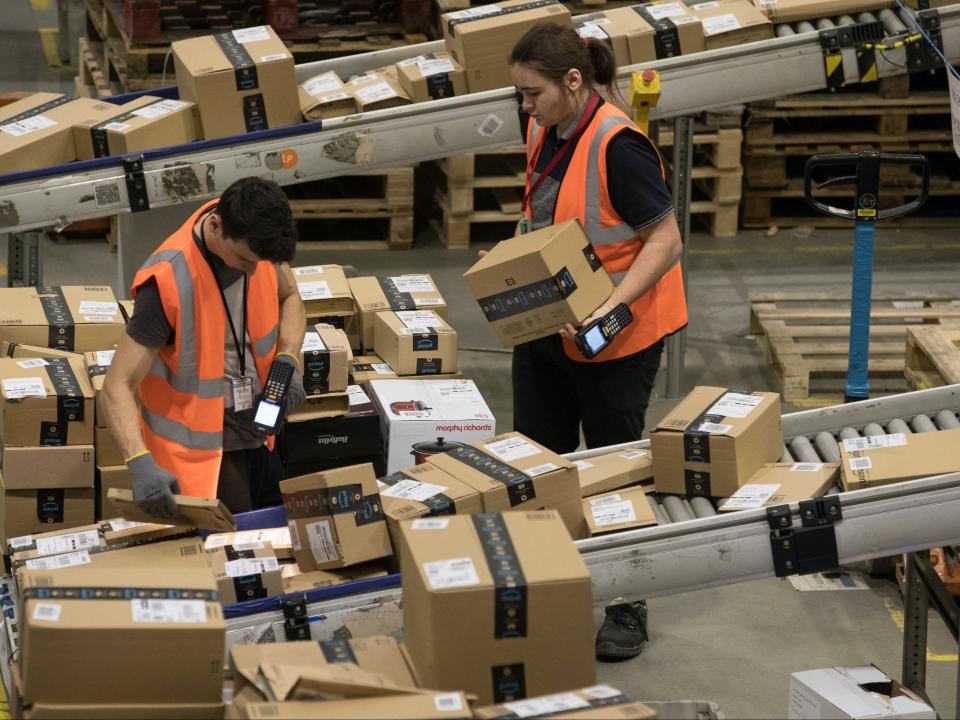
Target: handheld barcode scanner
pixel 269 413
pixel 593 338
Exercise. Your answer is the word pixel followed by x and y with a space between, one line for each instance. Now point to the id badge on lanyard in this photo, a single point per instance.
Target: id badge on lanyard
pixel 242 393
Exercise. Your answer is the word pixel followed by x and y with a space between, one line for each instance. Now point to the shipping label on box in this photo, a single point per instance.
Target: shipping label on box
pixel 884 459
pixel 325 96
pixel 245 572
pixel 374 91
pixel 415 342
pixel 732 22
pixel 433 76
pixel 781 483
pixel 370 367
pixel 623 510
pixel 394 292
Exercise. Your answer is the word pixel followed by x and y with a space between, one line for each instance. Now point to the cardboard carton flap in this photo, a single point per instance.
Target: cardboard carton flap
pixel 194 512
pixel 529 244
pixel 328 682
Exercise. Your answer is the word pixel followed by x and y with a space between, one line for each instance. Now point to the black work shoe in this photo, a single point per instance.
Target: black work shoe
pixel 624 631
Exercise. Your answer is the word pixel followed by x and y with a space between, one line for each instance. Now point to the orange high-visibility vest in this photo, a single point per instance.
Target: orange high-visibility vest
pixel 583 194
pixel 181 398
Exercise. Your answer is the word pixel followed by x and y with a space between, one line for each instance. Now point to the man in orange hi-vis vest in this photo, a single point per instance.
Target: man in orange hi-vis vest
pixel 216 306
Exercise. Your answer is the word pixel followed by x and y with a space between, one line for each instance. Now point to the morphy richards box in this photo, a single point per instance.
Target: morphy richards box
pixel 714 440
pixel 529 286
pixel 242 81
pixel 145 123
pixel 415 342
pixel 395 292
pixel 74 318
pixel 513 589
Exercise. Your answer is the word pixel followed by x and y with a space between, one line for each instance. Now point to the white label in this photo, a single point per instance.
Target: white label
pixel 715 428
pixel 54 562
pixel 427 301
pixel 322 84
pixel 448 702
pixel 955 108
pixel 250 566
pixel 635 454
pixel 861 464
pixel 309 270
pixel 22 541
pixel 314 290
pixel 415 331
pixel 215 541
pixel 169 611
pixel 541 469
pixel 68 543
pixel 27 125
pixel 333 97
pixel 273 57
pixel 413 490
pixel 512 448
pixel 413 283
pixel 382 369
pixel 375 93
pixel 419 319
pixel 605 500
pixel 434 66
pixel 430 524
pixel 48 612
pixel 16 388
pixel 720 24
pixel 705 5
pixel 601 692
pixel 546 705
pixel 765 4
pixel 582 464
pixel 118 524
pixel 95 307
pixel 613 513
pixel 294 536
pixel 411 61
pixel 806 467
pixel 312 342
pixel 98 318
pixel 116 126
pixel 592 30
pixel 735 405
pixel 872 442
pixel 818 582
pixel 322 544
pixel 32 362
pixel 456 572
pixel 240 547
pixel 164 107
pixel 251 34
pixel 474 12
pixel 751 496
pixel 356 395
pixel 490 126
pixel 105 357
pixel 666 10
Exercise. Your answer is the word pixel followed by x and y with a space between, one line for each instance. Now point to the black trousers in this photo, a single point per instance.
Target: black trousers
pixel 553 395
pixel 250 479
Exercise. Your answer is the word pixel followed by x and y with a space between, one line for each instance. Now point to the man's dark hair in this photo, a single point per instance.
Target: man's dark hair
pixel 257 212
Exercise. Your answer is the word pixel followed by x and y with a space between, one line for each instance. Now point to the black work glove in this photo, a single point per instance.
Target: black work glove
pixel 295 394
pixel 153 487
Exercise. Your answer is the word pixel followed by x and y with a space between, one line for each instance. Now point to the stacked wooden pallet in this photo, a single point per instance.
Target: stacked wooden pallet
pixel 368 211
pixel 933 356
pixel 805 338
pixel 893 117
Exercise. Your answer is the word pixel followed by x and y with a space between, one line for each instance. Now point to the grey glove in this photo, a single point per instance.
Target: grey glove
pixel 295 394
pixel 153 487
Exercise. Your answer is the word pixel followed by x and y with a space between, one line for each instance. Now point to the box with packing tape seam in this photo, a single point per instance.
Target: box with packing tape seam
pixel 897 457
pixel 144 123
pixel 782 483
pixel 611 471
pixel 731 22
pixel 415 342
pixel 325 356
pixel 433 76
pixel 245 572
pixel 395 292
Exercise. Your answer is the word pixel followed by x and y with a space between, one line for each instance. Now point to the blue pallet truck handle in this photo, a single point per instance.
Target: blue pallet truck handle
pixel 866 168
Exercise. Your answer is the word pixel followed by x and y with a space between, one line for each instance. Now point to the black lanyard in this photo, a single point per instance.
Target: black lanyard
pixel 241 353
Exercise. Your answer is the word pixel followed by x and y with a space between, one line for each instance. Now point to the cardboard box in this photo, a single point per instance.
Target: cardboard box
pixel 335 518
pixel 424 491
pixel 242 81
pixel 328 405
pixel 34 468
pixel 884 459
pixel 172 552
pixel 108 453
pixel 245 572
pixel 780 483
pixel 279 539
pixel 45 403
pixel 529 286
pixel 309 445
pixel 26 512
pixel 324 96
pixel 731 22
pixel 481 38
pixel 853 692
pixel 98 362
pixel 77 319
pixel 296 581
pixel 375 91
pixel 715 440
pixel 325 357
pixel 37 131
pixel 433 76
pixel 145 123
pixel 512 472
pixel 53 542
pixel 397 292
pixel 415 342
pixel 781 11
pixel 603 473
pixel 324 290
pixel 205 513
pixel 111 476
pixel 22 351
pixel 151 649
pixel 425 706
pixel 370 367
pixel 117 531
pixel 646 32
pixel 508 616
pixel 416 411
pixel 623 510
pixel 569 704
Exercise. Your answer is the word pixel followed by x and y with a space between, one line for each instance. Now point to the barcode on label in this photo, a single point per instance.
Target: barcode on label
pixel 541 469
pixel 806 467
pixel 169 611
pixel 107 194
pixel 47 611
pixel 861 463
pixel 448 701
pixel 490 126
pixel 715 428
pixel 430 524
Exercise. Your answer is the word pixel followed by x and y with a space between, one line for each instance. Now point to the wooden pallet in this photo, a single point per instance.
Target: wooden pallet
pixel 378 203
pixel 92 81
pixel 933 356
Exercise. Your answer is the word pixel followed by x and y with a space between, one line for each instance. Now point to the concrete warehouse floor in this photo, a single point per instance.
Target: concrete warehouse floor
pixel 734 645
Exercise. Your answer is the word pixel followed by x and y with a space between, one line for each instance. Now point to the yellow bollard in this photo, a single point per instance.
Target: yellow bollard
pixel 644 95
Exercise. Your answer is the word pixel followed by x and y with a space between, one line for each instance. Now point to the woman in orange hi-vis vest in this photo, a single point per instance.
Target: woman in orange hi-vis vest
pixel 586 159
